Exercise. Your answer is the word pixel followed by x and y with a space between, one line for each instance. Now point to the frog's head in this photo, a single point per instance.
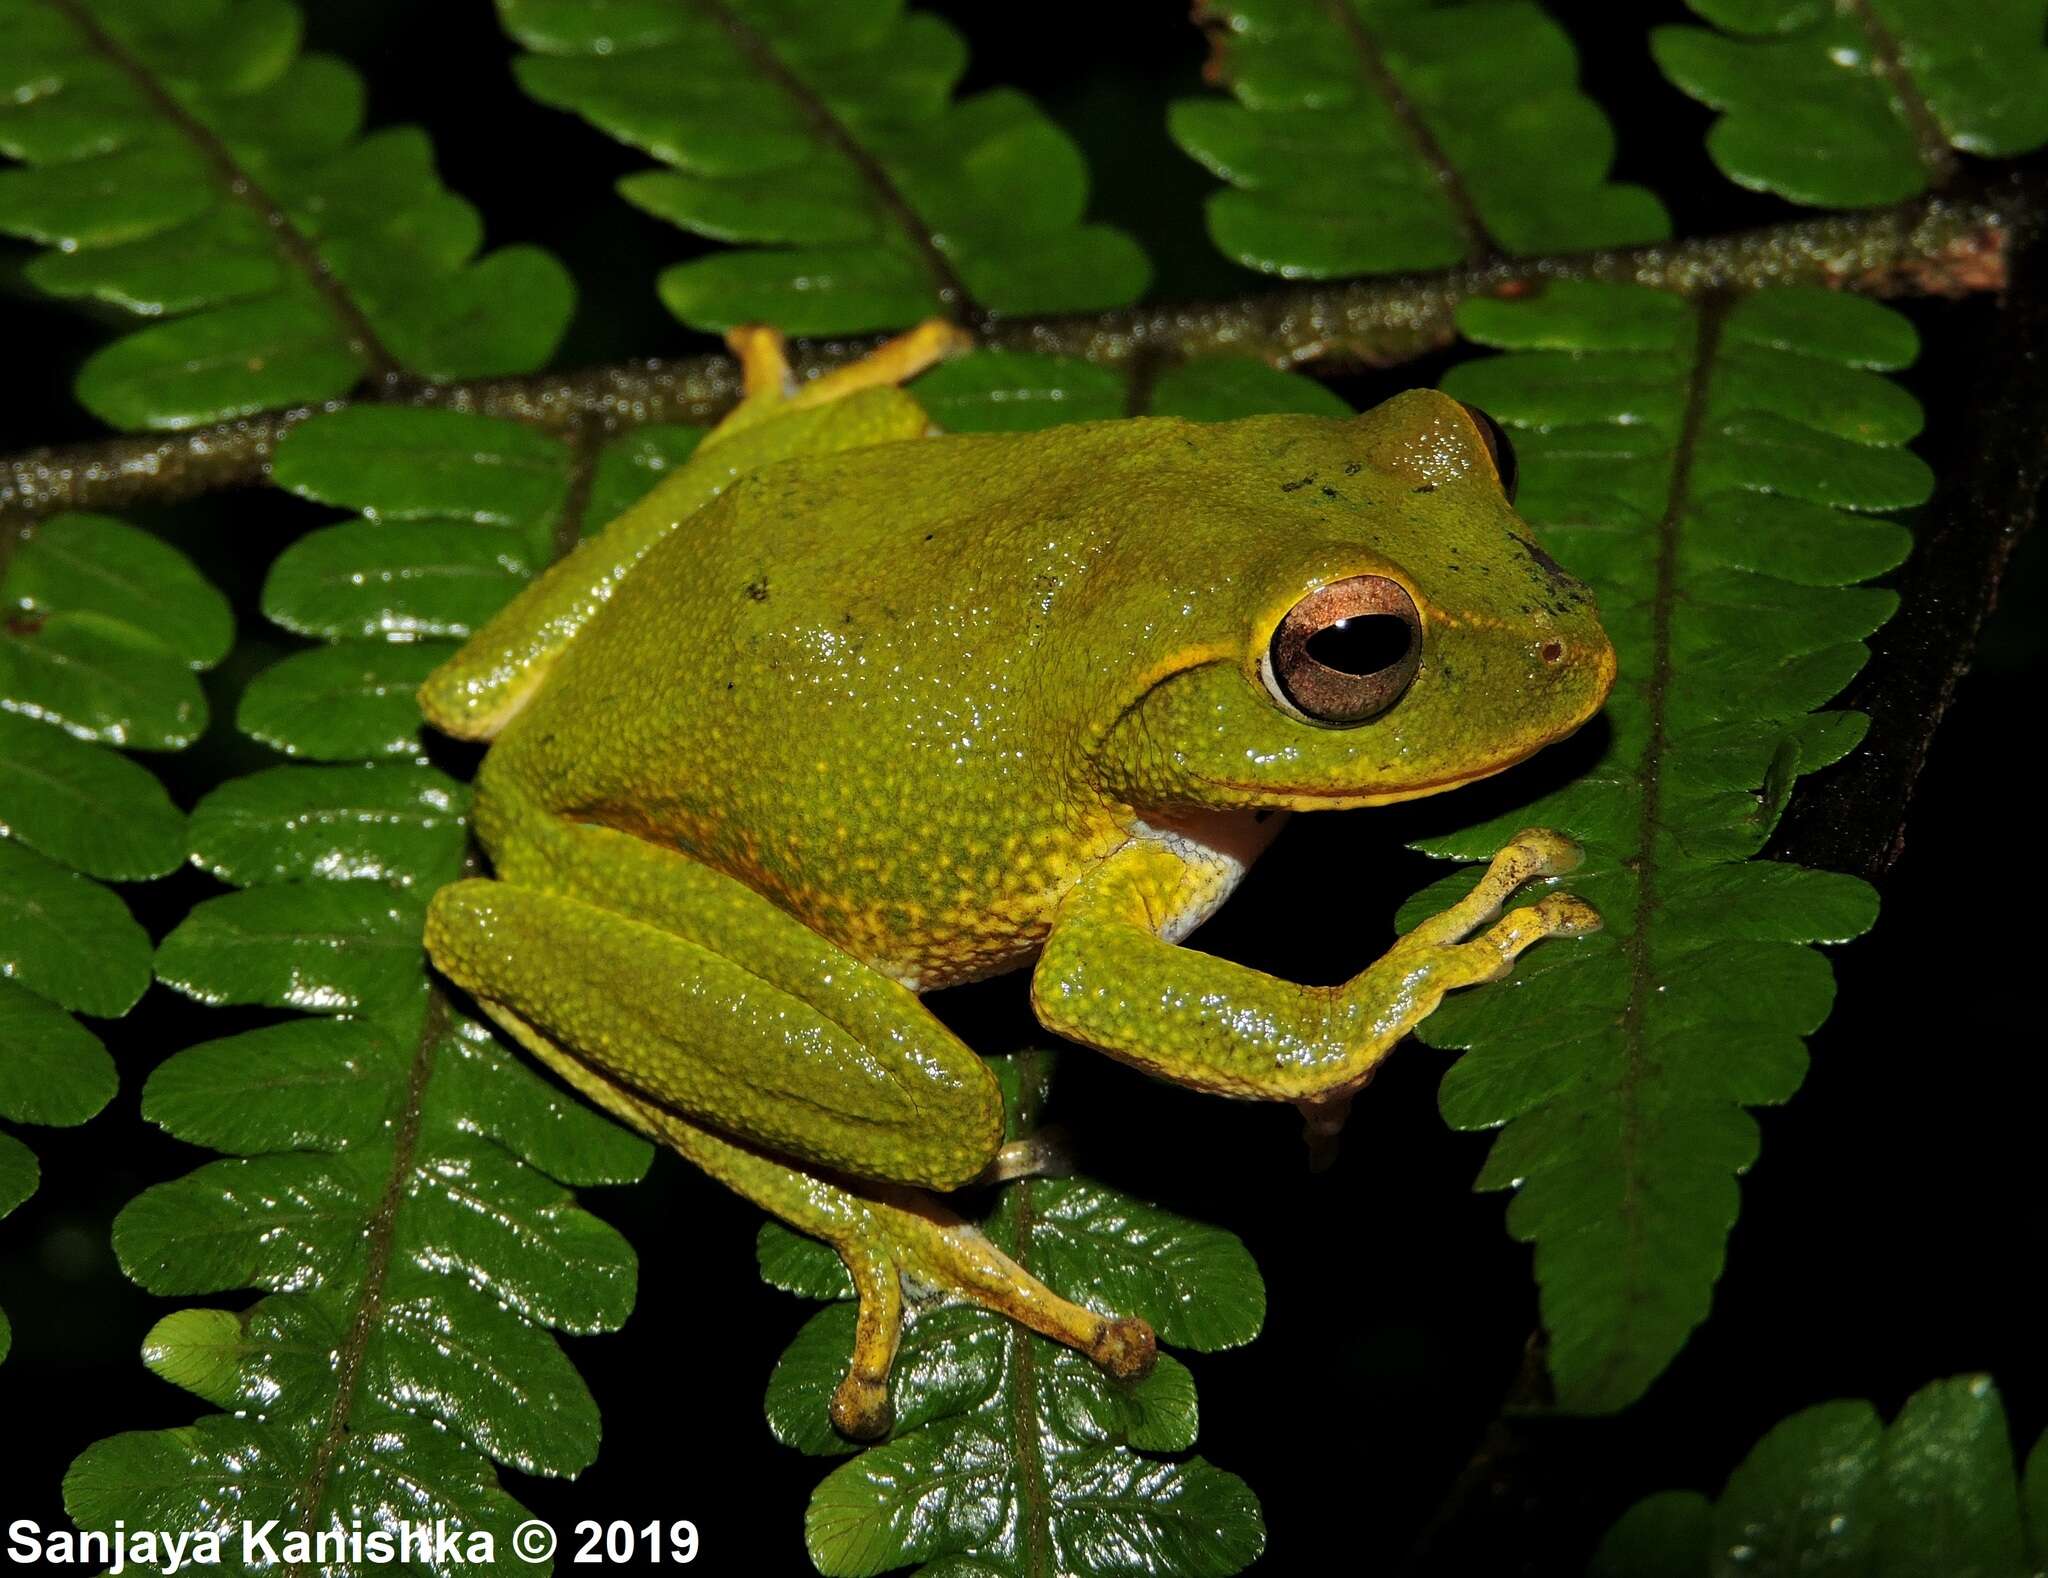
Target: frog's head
pixel 1374 623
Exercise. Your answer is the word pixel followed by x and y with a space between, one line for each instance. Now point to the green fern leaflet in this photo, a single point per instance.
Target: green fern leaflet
pixel 1834 1492
pixel 187 164
pixel 1374 136
pixel 824 142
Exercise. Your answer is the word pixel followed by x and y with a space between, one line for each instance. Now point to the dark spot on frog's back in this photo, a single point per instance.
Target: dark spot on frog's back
pixel 757 589
pixel 1423 487
pixel 1298 484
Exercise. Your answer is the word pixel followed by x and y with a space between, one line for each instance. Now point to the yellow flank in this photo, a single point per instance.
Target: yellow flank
pixel 846 710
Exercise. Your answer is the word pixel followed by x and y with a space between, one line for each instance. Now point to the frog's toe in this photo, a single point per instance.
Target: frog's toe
pixel 1567 915
pixel 1546 852
pixel 861 1408
pixel 1127 1348
pixel 764 361
pixel 911 1240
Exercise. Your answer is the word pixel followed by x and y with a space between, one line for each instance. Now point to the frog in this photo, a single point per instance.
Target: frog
pixel 848 709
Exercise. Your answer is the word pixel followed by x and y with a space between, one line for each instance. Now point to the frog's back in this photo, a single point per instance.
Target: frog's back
pixel 855 682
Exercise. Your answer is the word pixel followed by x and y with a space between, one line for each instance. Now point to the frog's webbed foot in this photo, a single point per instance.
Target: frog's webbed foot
pixel 910 1239
pixel 1443 950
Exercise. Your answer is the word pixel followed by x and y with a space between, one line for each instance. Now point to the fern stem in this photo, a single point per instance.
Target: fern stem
pixel 1942 245
pixel 1037 1512
pixel 954 300
pixel 585 443
pixel 291 242
pixel 1644 862
pixel 1479 243
pixel 1930 141
pixel 379 1235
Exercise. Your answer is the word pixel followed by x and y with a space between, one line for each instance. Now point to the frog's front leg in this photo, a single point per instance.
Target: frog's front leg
pixel 1108 979
pixel 788 1069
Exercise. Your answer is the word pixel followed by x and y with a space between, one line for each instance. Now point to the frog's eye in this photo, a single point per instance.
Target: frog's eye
pixel 1495 437
pixel 1347 651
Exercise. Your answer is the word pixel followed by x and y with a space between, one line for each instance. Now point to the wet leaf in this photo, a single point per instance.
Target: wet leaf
pixel 397 822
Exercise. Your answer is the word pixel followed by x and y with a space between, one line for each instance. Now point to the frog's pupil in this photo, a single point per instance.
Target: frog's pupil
pixel 1363 644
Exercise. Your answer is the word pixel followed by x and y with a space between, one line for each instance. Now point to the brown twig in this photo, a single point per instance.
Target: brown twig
pixel 1938 246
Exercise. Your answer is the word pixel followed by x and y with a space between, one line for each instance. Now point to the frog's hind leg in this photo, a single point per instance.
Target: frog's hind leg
pixel 844 1069
pixel 619 964
pixel 885 1238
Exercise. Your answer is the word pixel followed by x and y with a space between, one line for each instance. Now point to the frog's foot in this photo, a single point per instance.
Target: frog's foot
pixel 1533 853
pixel 769 386
pixel 910 1240
pixel 889 1236
pixel 1441 955
pixel 1442 952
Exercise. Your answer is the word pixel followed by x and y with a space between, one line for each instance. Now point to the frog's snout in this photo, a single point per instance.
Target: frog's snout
pixel 1581 663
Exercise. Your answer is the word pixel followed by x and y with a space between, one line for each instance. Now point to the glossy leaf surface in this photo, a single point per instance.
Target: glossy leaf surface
pixel 1854 105
pixel 397 1182
pixel 1010 1454
pixel 824 143
pixel 1833 1491
pixel 187 164
pixel 103 628
pixel 1376 136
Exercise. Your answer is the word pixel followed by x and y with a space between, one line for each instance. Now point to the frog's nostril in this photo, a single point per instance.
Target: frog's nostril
pixel 1551 651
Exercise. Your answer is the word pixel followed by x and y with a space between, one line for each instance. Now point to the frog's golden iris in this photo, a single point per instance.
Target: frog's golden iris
pixel 1346 652
pixel 845 710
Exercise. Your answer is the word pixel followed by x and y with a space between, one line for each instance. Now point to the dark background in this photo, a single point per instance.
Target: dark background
pixel 1890 1234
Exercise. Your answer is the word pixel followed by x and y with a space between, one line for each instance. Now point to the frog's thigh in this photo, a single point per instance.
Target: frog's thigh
pixel 701 996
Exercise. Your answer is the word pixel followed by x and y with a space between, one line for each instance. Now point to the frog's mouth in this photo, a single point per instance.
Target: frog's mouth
pixel 1321 797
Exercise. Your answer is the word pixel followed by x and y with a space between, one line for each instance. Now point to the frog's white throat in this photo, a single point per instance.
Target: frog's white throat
pixel 1218 848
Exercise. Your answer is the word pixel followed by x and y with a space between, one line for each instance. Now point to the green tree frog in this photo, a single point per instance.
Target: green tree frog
pixel 847 709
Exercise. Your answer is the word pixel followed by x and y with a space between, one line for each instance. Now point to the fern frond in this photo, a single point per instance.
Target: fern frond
pixel 1832 1490
pixel 1711 469
pixel 1866 102
pixel 103 629
pixel 396 1181
pixel 1377 136
pixel 189 165
pixel 823 141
